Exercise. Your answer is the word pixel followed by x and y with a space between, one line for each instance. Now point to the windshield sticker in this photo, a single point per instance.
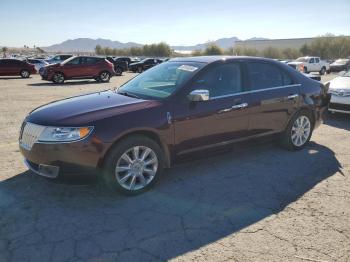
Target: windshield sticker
pixel 188 68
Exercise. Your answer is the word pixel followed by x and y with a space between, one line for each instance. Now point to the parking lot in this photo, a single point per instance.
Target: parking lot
pixel 254 203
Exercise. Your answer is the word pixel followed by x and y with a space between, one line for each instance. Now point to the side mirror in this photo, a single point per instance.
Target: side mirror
pixel 199 95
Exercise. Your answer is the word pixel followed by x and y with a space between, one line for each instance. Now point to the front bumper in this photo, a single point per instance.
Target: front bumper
pixel 339 104
pixel 52 160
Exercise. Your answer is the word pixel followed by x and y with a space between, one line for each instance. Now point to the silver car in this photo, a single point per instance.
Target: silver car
pixel 339 88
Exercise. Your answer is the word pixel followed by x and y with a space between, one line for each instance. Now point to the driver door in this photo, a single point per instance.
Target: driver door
pixel 73 68
pixel 221 119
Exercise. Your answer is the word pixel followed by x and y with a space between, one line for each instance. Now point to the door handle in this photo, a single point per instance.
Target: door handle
pixel 239 106
pixel 291 97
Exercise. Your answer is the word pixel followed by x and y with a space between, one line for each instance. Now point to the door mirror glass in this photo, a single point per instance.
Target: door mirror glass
pixel 199 95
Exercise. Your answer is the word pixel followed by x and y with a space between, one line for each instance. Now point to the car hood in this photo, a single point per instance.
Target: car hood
pixel 340 83
pixel 85 109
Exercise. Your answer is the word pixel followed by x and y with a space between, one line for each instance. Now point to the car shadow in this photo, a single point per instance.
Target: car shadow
pixel 338 120
pixel 66 83
pixel 194 204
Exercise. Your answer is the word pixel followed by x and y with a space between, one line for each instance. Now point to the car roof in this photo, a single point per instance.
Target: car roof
pixel 212 59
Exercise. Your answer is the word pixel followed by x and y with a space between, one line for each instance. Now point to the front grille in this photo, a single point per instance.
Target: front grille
pixel 337 106
pixel 30 135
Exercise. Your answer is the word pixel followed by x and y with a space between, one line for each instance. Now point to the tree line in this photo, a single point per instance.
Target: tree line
pixel 326 47
pixel 158 50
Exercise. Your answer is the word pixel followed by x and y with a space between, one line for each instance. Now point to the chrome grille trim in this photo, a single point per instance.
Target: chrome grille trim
pixel 30 135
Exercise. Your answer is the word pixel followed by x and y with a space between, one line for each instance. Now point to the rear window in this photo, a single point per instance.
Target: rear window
pixel 265 75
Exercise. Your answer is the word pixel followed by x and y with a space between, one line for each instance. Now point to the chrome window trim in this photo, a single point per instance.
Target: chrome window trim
pixel 254 91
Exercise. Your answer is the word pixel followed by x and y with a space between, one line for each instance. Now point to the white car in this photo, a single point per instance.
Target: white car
pixel 339 88
pixel 308 64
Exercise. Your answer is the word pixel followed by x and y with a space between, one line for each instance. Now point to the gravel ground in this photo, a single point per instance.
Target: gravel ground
pixel 253 203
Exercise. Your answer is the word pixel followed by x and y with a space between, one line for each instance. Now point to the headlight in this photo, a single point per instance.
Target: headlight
pixel 64 134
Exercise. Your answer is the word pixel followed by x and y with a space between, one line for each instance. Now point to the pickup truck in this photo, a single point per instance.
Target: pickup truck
pixel 309 64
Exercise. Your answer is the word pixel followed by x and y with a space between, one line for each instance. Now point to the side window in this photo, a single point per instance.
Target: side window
pixel 287 80
pixel 264 75
pixel 317 60
pixel 221 80
pixel 89 60
pixel 75 61
pixel 312 61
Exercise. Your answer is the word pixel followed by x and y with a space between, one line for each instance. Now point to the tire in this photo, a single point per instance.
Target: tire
pixel 118 71
pixel 323 71
pixel 294 138
pixel 104 76
pixel 25 73
pixel 305 70
pixel 139 70
pixel 127 178
pixel 97 79
pixel 58 78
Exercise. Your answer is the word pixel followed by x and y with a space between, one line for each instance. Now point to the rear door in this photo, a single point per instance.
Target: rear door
pixel 89 66
pixel 274 97
pixel 220 120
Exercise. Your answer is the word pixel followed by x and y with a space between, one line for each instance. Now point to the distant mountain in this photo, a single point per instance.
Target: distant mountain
pixel 87 45
pixel 257 38
pixel 222 42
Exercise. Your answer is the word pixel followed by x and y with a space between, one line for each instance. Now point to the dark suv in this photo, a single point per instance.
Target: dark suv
pixel 144 65
pixel 14 67
pixel 79 67
pixel 177 108
pixel 119 65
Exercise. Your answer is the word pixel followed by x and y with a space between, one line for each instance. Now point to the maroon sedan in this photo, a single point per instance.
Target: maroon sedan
pixel 79 67
pixel 15 67
pixel 176 108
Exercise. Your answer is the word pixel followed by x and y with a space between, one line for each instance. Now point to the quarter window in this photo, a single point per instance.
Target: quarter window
pixel 221 80
pixel 264 75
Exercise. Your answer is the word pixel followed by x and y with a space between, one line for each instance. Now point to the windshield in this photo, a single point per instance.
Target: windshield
pixel 302 59
pixel 161 81
pixel 341 61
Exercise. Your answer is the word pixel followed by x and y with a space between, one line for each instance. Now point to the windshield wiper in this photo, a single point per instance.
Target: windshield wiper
pixel 124 93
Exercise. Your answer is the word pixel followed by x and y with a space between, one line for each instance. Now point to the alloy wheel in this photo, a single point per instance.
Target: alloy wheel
pixel 301 130
pixel 25 74
pixel 136 168
pixel 104 76
pixel 58 78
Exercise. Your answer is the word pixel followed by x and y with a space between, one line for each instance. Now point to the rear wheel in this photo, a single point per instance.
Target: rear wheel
pixel 133 166
pixel 298 131
pixel 58 78
pixel 139 69
pixel 105 77
pixel 25 73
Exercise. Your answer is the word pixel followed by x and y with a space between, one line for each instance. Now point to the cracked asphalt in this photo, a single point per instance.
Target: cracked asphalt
pixel 256 202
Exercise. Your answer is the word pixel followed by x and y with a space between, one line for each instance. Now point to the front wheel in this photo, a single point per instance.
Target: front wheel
pixel 298 131
pixel 25 74
pixel 58 78
pixel 323 71
pixel 134 165
pixel 105 77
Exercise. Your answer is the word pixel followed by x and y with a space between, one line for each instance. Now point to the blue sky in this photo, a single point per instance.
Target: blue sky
pixel 180 22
